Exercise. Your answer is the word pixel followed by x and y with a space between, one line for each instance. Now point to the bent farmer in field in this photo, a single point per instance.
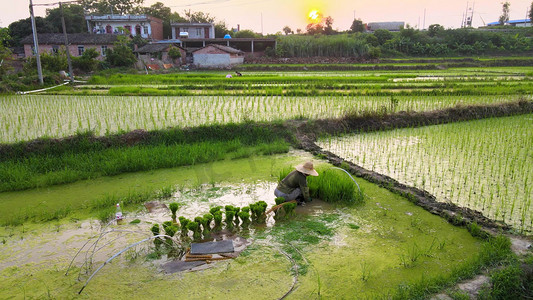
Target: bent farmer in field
pixel 294 186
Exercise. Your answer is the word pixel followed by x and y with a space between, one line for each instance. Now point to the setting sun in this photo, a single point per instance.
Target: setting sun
pixel 315 16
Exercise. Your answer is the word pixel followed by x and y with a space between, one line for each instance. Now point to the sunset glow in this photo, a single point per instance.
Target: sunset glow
pixel 315 16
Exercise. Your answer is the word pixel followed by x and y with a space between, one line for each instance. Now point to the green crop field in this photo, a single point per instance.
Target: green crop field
pixel 34 116
pixel 486 165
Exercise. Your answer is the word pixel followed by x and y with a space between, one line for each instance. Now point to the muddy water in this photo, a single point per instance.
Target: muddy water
pixel 363 257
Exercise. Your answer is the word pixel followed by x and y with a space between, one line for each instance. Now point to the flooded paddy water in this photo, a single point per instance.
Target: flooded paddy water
pixel 324 250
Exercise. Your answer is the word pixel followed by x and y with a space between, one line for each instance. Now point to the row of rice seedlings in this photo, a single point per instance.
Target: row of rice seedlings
pixel 34 116
pixel 486 165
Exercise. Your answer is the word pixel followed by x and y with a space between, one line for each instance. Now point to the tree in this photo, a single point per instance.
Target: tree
pixel 159 10
pixel 74 18
pixel 4 50
pixel 328 28
pixel 22 28
pixel 531 13
pixel 504 18
pixel 87 61
pixel 314 28
pixel 383 35
pixel 435 30
pixel 221 29
pixel 122 7
pixel 121 55
pixel 174 52
pixel 287 30
pixel 246 34
pixel 199 17
pixel 357 26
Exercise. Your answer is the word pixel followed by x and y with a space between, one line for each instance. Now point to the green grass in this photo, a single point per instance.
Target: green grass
pixel 25 165
pixel 42 171
pixel 494 252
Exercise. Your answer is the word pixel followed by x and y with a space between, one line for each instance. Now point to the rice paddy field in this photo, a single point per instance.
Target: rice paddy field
pixel 55 116
pixel 205 161
pixel 486 165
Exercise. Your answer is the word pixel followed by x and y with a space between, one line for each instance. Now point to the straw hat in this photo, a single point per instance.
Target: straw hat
pixel 307 168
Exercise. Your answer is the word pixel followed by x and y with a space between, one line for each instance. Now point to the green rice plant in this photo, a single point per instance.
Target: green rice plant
pixel 215 209
pixel 289 209
pixel 230 214
pixel 195 228
pixel 333 186
pixel 217 216
pixel 155 231
pixel 184 222
pixel 245 218
pixel 170 230
pixel 208 218
pixel 258 210
pixel 173 208
pixel 166 192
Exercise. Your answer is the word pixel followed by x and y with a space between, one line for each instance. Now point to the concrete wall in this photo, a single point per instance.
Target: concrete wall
pixel 211 60
pixel 236 60
pixel 73 49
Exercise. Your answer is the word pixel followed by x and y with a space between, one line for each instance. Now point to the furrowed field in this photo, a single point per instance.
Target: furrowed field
pixel 213 149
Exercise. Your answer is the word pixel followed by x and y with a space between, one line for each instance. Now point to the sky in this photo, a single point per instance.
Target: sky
pixel 270 16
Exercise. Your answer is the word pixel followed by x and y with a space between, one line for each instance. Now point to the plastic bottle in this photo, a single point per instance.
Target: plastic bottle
pixel 118 214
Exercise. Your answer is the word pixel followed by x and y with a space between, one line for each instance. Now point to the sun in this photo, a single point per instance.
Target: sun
pixel 314 16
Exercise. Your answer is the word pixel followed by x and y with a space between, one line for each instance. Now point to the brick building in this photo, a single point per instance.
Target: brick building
pixel 79 42
pixel 147 27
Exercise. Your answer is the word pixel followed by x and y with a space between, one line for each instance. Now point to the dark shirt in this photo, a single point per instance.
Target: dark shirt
pixel 294 180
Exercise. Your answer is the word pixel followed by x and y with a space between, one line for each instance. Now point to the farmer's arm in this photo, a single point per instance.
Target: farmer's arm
pixel 303 186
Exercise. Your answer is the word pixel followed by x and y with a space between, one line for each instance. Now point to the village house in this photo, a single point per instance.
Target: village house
pixel 147 27
pixel 217 56
pixel 193 30
pixel 79 42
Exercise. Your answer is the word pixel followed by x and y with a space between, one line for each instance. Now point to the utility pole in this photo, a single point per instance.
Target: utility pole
pixel 424 26
pixel 261 23
pixel 71 74
pixel 36 45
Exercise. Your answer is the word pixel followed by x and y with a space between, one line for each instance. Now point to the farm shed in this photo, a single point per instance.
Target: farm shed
pixel 217 56
pixel 158 52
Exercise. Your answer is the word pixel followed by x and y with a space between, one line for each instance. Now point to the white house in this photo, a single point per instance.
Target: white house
pixel 147 27
pixel 193 30
pixel 217 56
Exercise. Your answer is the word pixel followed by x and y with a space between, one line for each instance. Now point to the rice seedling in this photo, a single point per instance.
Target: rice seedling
pixel 173 208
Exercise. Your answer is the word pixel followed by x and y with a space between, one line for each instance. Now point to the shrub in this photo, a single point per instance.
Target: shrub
pixel 174 52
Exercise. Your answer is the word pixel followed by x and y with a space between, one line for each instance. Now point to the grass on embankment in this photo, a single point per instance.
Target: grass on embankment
pixel 48 162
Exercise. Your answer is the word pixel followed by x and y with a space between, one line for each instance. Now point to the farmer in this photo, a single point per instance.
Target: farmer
pixel 294 186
